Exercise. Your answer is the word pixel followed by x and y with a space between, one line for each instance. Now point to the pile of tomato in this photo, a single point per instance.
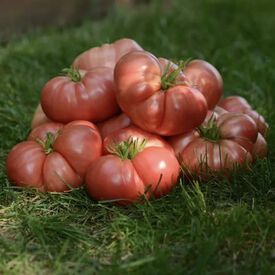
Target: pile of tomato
pixel 127 124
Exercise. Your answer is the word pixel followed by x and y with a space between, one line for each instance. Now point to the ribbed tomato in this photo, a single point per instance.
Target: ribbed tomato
pixel 220 144
pixel 135 164
pixel 55 157
pixel 86 95
pixel 106 55
pixel 153 100
pixel 240 105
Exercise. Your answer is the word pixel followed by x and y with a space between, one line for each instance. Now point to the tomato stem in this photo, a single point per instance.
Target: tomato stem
pixel 168 79
pixel 73 74
pixel 210 131
pixel 48 143
pixel 127 149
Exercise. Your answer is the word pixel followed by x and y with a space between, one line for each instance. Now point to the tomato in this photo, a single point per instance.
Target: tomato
pixel 39 117
pixel 153 100
pixel 259 148
pixel 132 168
pixel 113 124
pixel 55 157
pixel 206 78
pixel 239 104
pixel 85 95
pixel 222 143
pixel 107 55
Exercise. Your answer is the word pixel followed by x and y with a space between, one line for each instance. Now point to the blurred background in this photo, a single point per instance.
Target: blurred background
pixel 19 16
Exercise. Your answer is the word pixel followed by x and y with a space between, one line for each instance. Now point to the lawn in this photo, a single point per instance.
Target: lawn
pixel 218 227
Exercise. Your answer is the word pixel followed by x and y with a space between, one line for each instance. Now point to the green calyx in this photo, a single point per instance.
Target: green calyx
pixel 127 149
pixel 48 143
pixel 210 131
pixel 168 79
pixel 73 74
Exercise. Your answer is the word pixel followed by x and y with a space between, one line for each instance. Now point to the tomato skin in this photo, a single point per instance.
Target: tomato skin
pixel 154 168
pixel 206 78
pixel 239 128
pixel 107 55
pixel 83 123
pixel 234 104
pixel 57 172
pixel 113 124
pixel 134 133
pixel 139 94
pixel 75 146
pixel 39 117
pixel 110 178
pixel 137 77
pixel 240 105
pixel 80 145
pixel 163 172
pixel 259 119
pixel 201 156
pixel 24 164
pixel 92 98
pixel 260 149
pixel 187 105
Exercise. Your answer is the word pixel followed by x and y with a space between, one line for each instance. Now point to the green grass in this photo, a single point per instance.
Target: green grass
pixel 219 227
